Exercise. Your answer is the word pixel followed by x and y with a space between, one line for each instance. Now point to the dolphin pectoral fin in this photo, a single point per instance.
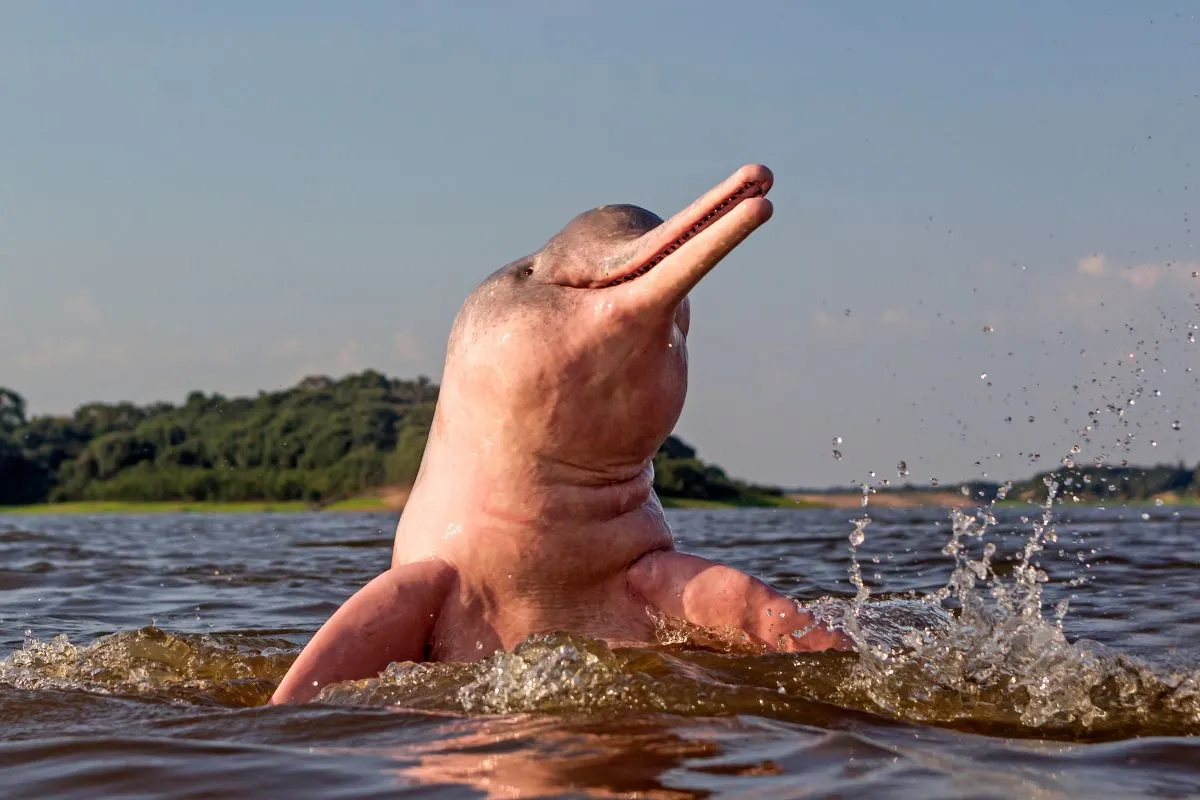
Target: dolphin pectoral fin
pixel 390 619
pixel 714 596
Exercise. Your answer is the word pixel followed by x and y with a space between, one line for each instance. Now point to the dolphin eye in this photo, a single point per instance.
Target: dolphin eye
pixel 527 272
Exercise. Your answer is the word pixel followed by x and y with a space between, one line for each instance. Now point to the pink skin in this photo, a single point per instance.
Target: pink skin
pixel 534 507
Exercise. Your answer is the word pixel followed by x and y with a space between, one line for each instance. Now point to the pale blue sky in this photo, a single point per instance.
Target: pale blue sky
pixel 230 195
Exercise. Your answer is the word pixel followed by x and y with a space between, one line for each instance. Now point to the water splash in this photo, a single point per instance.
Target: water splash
pixel 1000 662
pixel 204 669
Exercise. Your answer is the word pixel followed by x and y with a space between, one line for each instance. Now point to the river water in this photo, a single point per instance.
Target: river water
pixel 136 653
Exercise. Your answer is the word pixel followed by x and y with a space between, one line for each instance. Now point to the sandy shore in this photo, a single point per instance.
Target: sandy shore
pixel 883 499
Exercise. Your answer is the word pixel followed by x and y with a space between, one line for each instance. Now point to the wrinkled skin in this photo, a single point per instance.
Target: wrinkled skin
pixel 585 380
pixel 534 507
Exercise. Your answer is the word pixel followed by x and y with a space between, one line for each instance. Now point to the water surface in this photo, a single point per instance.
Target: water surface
pixel 136 653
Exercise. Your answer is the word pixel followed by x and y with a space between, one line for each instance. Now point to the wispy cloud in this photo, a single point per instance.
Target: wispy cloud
pixel 407 347
pixel 851 326
pixel 1091 265
pixel 899 319
pixel 1143 276
pixel 291 347
pixel 842 326
pixel 81 308
pixel 350 357
pixel 53 354
pixel 1099 291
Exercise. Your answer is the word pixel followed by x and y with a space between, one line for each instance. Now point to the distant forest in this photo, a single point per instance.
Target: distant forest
pixel 320 441
pixel 1085 484
pixel 326 440
pixel 1119 484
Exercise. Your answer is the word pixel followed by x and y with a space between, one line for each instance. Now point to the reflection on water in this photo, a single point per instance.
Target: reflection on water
pixel 1000 657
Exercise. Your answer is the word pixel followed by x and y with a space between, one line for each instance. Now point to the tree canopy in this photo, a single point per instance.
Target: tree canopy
pixel 319 441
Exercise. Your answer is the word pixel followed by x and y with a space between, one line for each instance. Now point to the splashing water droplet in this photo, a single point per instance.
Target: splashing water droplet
pixel 983 376
pixel 1175 425
pixel 1145 515
pixel 988 329
pixel 837 454
pixel 902 468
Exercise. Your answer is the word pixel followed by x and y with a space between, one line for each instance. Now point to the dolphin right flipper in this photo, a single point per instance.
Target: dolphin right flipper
pixel 390 619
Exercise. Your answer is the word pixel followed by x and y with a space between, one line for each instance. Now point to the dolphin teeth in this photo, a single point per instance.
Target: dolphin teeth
pixel 748 189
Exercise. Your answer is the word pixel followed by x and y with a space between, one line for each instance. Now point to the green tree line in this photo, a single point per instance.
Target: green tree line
pixel 319 441
pixel 1084 483
pixel 1113 483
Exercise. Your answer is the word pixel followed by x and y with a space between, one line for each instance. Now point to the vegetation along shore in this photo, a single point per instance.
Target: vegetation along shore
pixel 354 444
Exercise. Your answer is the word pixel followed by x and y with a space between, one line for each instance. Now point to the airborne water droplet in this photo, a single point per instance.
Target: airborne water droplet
pixel 1175 425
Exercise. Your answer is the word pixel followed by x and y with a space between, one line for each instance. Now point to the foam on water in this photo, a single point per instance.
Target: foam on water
pixel 150 662
pixel 1000 661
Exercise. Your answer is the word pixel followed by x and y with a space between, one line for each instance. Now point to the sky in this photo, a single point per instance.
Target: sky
pixel 985 224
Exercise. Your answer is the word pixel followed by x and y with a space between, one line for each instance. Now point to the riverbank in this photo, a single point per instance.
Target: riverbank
pixel 753 501
pixel 360 504
pixel 378 504
pixel 170 507
pixel 888 499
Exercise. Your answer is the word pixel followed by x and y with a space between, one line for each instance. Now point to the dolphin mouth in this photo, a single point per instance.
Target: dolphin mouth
pixel 750 182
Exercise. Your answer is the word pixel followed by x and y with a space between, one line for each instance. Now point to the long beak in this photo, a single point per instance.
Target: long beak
pixel 671 259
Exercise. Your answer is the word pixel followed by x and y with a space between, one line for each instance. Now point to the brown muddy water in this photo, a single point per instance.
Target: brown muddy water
pixel 136 653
